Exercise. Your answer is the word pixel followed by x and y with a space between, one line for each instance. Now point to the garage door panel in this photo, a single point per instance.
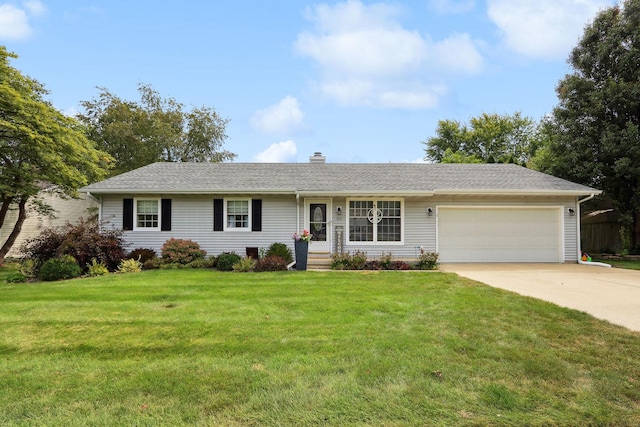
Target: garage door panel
pixel 521 255
pixel 499 235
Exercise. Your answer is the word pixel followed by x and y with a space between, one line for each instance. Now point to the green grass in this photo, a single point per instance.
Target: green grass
pixel 631 265
pixel 197 347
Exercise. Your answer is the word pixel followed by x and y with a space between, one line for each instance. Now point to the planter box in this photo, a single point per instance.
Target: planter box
pixel 302 252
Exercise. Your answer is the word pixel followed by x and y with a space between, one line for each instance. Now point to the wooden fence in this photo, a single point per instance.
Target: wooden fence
pixel 601 233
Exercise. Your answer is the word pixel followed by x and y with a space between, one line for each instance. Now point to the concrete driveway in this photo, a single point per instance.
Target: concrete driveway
pixel 611 294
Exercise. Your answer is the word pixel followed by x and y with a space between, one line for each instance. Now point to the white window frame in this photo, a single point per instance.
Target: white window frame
pixel 226 215
pixel 135 214
pixel 375 241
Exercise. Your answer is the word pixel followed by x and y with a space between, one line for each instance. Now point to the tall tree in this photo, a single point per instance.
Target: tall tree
pixel 38 145
pixel 154 129
pixel 595 129
pixel 489 138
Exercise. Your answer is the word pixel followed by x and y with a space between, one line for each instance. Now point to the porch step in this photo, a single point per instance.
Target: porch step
pixel 317 261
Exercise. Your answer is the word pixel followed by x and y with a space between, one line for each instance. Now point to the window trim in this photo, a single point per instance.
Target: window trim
pixel 375 241
pixel 135 214
pixel 225 213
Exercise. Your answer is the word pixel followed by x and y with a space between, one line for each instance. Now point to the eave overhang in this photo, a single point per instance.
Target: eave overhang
pixel 348 193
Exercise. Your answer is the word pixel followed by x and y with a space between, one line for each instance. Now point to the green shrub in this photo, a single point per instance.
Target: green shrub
pixel 64 267
pixel 142 254
pixel 340 261
pixel 358 260
pixel 28 268
pixel 181 251
pixel 428 261
pixel 201 263
pixel 281 250
pixel 97 268
pixel 152 264
pixel 130 266
pixel 386 261
pixel 271 263
pixel 244 265
pixel 349 261
pixel 16 278
pixel 227 260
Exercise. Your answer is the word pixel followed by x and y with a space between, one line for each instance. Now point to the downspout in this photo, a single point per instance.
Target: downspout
pixel 578 216
pixel 99 201
pixel 297 212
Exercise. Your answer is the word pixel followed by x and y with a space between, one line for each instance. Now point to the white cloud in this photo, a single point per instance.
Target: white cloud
pixel 361 92
pixel 368 58
pixel 281 118
pixel 35 8
pixel 543 28
pixel 14 23
pixel 70 112
pixel 280 152
pixel 446 7
pixel 459 52
pixel 14 20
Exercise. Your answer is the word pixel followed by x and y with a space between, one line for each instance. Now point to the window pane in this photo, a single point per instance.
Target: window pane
pixel 318 221
pixel 238 214
pixel 389 227
pixel 360 228
pixel 147 214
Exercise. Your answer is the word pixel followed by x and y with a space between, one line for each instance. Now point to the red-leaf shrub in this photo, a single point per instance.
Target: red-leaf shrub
pixel 83 241
pixel 181 251
pixel 142 254
pixel 271 263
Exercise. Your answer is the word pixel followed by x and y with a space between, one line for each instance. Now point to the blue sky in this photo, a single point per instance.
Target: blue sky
pixel 360 81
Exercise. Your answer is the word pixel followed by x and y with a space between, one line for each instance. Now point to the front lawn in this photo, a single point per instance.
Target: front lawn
pixel 199 347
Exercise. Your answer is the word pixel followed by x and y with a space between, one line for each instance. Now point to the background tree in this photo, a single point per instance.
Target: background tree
pixel 595 129
pixel 38 145
pixel 154 129
pixel 489 138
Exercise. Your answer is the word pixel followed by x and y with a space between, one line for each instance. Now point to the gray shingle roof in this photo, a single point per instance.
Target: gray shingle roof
pixel 336 178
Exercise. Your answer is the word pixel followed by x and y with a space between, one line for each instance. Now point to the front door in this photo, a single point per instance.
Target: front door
pixel 318 222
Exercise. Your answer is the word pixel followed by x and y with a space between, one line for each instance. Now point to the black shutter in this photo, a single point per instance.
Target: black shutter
pixel 256 215
pixel 165 224
pixel 218 214
pixel 127 214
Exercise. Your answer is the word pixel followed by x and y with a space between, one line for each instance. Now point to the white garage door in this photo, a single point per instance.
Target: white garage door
pixel 499 234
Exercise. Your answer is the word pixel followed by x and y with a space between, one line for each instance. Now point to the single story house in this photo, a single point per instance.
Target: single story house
pixel 465 212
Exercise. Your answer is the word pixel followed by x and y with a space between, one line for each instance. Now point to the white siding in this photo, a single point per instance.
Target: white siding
pixel 192 218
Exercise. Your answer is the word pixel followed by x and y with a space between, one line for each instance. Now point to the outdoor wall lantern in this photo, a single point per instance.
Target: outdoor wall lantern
pixel 429 211
pixel 339 210
pixel 572 212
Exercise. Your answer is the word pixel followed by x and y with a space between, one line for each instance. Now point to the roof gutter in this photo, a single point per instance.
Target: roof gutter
pixel 92 197
pixel 197 192
pixel 580 261
pixel 99 202
pixel 520 192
